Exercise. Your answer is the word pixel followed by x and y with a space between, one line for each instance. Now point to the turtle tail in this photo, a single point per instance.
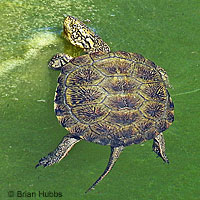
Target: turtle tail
pixel 114 155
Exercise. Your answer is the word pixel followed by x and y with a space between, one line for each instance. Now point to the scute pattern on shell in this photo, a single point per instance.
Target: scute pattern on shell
pixel 113 99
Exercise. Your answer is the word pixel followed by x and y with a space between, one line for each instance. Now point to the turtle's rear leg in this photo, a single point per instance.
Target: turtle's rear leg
pixel 159 147
pixel 60 152
pixel 59 60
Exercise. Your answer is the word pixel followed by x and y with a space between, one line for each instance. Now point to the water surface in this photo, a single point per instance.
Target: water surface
pixel 166 32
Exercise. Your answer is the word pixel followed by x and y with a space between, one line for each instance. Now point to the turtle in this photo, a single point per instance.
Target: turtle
pixel 109 98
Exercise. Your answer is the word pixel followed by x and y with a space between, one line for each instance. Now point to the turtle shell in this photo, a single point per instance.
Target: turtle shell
pixel 115 99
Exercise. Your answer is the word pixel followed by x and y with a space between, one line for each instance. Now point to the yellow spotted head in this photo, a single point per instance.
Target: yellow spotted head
pixel 80 35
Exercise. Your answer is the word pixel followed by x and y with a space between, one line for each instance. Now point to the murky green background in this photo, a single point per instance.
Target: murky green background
pixel 164 31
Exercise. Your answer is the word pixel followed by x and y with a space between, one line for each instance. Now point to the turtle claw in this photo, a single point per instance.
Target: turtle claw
pixel 36 166
pixel 165 159
pixel 59 153
pixel 46 161
pixel 159 147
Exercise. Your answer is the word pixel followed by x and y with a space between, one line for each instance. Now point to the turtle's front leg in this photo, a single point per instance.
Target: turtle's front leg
pixel 60 152
pixel 159 147
pixel 59 60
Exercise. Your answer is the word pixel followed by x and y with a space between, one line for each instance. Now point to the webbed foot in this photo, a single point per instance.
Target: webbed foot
pixel 59 153
pixel 159 147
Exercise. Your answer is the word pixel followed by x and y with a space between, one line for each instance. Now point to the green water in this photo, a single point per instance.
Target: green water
pixel 165 31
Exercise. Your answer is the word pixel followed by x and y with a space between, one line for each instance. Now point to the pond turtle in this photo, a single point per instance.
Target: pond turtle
pixel 110 98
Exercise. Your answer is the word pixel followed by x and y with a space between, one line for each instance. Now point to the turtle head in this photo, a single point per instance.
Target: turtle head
pixel 80 35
